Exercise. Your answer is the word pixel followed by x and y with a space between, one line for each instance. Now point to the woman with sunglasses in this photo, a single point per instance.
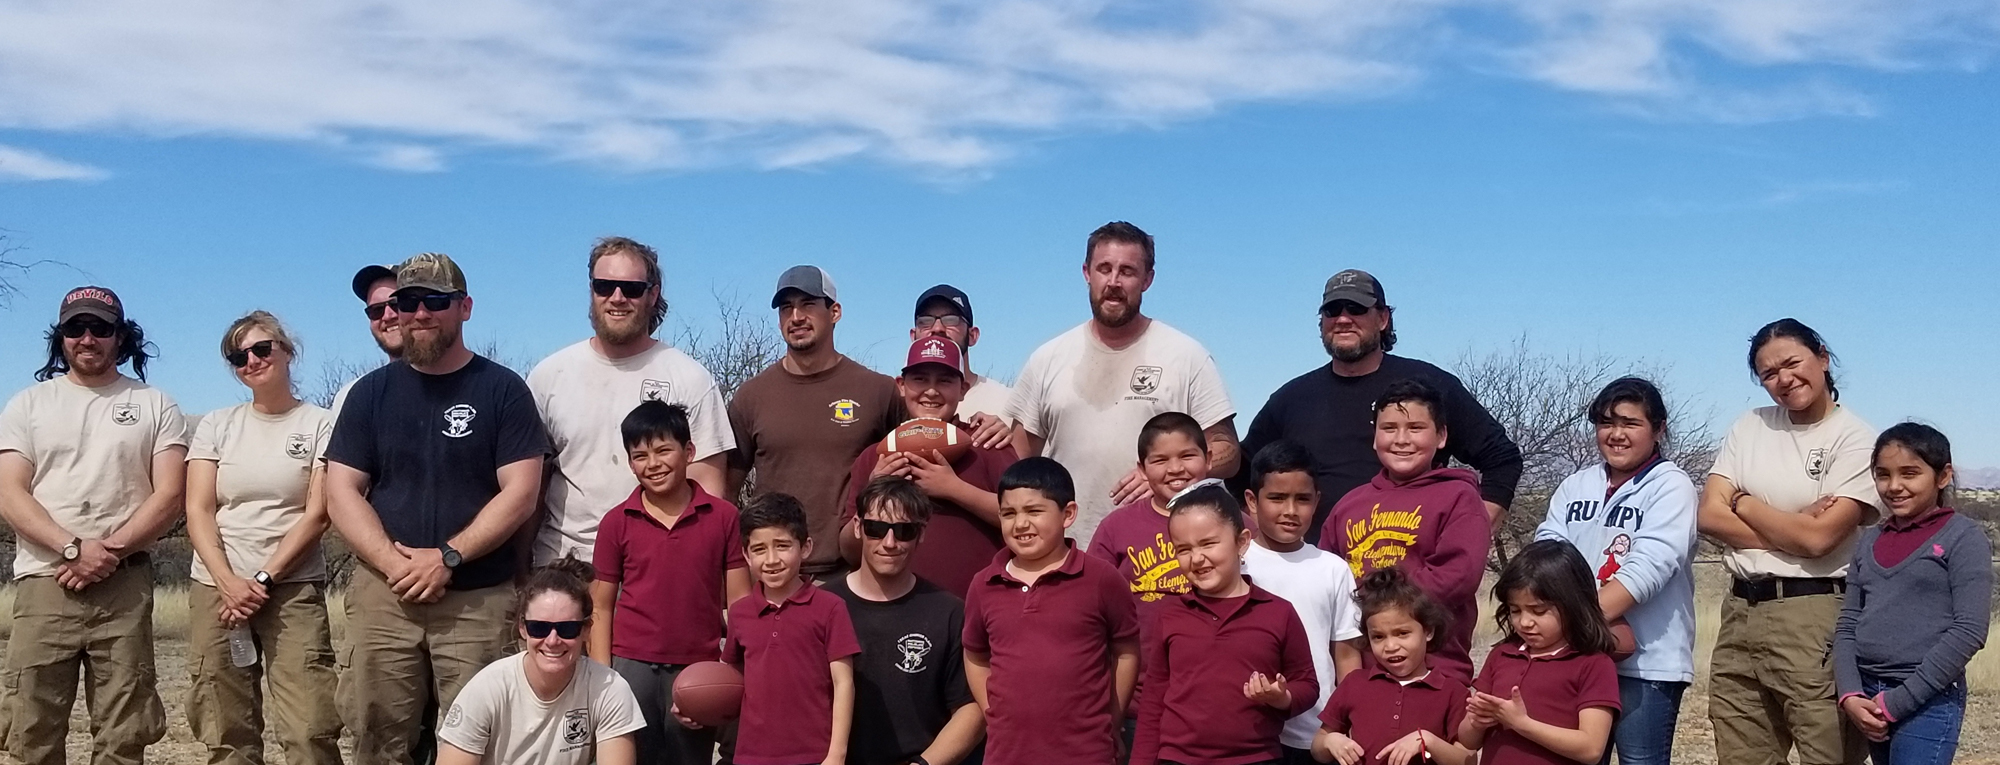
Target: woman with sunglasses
pixel 549 704
pixel 255 513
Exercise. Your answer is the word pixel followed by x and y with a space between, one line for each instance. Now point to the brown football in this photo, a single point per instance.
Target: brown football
pixel 709 692
pixel 925 434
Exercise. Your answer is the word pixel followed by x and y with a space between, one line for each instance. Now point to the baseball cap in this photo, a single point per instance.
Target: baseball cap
pixel 368 276
pixel 935 350
pixel 812 280
pixel 946 292
pixel 92 301
pixel 433 271
pixel 1356 285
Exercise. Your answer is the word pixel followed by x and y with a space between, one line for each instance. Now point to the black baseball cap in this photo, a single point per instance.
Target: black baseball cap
pixel 1356 285
pixel 950 294
pixel 368 276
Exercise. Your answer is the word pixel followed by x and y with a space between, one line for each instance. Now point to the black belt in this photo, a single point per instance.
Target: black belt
pixel 1781 587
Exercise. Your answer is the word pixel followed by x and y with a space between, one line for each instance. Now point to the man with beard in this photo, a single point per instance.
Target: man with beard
pixel 1082 397
pixel 92 465
pixel 585 390
pixel 434 466
pixel 800 422
pixel 1329 410
pixel 375 286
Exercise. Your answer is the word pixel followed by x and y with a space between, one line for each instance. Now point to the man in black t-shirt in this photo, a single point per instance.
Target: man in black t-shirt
pixel 911 700
pixel 433 467
pixel 1330 410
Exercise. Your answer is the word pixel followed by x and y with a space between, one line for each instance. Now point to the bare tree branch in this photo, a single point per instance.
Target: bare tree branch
pixel 735 348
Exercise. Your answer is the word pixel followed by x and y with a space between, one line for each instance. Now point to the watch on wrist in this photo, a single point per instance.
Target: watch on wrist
pixel 74 549
pixel 451 557
pixel 262 577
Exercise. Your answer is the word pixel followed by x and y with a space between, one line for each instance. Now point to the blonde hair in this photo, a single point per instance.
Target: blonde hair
pixel 258 320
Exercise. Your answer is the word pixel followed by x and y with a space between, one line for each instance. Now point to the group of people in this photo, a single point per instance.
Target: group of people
pixel 1106 575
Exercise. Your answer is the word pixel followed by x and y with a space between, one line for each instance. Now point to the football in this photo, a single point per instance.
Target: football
pixel 925 434
pixel 709 692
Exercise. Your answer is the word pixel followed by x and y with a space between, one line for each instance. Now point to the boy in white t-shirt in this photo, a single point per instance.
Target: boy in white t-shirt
pixel 1318 584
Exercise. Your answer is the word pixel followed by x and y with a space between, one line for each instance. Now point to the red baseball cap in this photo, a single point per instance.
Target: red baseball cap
pixel 935 350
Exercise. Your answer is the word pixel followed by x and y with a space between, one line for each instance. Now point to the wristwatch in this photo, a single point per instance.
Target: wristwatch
pixel 262 577
pixel 451 557
pixel 74 549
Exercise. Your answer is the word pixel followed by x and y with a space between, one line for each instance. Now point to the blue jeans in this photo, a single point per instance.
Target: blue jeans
pixel 1651 711
pixel 1925 737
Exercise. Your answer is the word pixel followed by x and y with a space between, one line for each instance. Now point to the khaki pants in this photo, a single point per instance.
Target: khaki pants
pixel 1771 684
pixel 225 705
pixel 106 630
pixel 397 653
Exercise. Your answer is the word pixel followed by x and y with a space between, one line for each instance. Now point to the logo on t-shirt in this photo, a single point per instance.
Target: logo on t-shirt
pixel 125 414
pixel 1816 463
pixel 654 390
pixel 1145 380
pixel 1156 573
pixel 576 726
pixel 298 446
pixel 1620 545
pixel 845 411
pixel 1383 539
pixel 914 646
pixel 458 420
pixel 454 717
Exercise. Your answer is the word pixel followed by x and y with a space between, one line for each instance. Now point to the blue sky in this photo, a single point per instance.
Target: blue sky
pixel 1650 180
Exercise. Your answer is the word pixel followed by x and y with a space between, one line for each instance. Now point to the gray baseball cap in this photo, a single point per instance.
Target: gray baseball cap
pixel 1356 285
pixel 812 280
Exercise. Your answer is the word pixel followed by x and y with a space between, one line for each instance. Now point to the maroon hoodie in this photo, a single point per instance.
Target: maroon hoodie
pixel 1435 527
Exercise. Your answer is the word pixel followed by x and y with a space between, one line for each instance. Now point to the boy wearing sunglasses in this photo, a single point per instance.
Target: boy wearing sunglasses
pixel 964 533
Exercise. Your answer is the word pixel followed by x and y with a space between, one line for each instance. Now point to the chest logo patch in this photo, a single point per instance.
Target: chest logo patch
pixel 1156 573
pixel 1816 464
pixel 654 390
pixel 914 647
pixel 1382 539
pixel 298 446
pixel 458 420
pixel 845 411
pixel 125 414
pixel 576 726
pixel 1145 380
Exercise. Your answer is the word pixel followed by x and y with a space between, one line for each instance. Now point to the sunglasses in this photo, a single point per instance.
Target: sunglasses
pixel 538 629
pixel 950 321
pixel 240 357
pixel 376 310
pixel 632 290
pixel 1339 307
pixel 97 329
pixel 906 531
pixel 434 302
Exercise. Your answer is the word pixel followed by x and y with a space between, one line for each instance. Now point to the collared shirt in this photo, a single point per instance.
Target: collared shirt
pixel 1202 652
pixel 957 543
pixel 1900 536
pixel 1049 694
pixel 1378 710
pixel 1557 688
pixel 784 650
pixel 670 579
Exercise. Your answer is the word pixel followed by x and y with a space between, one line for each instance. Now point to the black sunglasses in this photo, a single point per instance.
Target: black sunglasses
pixel 906 531
pixel 97 329
pixel 240 357
pixel 434 302
pixel 376 310
pixel 538 629
pixel 1339 307
pixel 632 290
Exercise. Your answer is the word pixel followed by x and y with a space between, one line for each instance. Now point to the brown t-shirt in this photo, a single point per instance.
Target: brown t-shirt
pixel 801 434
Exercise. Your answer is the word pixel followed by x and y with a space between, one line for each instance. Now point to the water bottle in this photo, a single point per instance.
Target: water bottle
pixel 242 647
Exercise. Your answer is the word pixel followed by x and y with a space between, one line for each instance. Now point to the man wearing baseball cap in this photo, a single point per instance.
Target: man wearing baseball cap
pixel 92 467
pixel 433 468
pixel 964 530
pixel 375 287
pixel 1329 409
pixel 800 422
pixel 945 311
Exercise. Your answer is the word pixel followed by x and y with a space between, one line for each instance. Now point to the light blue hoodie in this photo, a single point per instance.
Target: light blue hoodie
pixel 1643 535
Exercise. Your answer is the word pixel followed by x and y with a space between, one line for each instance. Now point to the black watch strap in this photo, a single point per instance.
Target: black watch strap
pixel 451 557
pixel 262 577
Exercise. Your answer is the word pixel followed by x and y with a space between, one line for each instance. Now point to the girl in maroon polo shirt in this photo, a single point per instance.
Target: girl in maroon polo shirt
pixel 1549 691
pixel 1228 663
pixel 1398 711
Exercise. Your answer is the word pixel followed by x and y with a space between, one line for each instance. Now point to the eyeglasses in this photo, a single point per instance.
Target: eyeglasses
pixel 633 290
pixel 950 321
pixel 434 302
pixel 906 531
pixel 538 629
pixel 376 310
pixel 97 329
pixel 240 357
pixel 1339 307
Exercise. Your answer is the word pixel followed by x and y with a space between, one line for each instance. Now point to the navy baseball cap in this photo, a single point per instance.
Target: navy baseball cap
pixel 953 295
pixel 368 276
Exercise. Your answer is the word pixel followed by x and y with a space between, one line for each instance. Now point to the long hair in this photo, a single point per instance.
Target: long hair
pixel 132 346
pixel 1555 573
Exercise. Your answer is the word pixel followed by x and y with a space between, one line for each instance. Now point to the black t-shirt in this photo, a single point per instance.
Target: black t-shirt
pixel 1333 418
pixel 432 446
pixel 910 676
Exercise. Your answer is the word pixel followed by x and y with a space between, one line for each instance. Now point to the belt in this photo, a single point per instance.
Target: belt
pixel 1781 587
pixel 140 558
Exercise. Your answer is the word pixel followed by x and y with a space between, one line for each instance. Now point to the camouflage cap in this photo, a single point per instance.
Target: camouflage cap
pixel 433 271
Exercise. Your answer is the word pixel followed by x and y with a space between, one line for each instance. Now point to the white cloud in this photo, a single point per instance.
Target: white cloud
pixel 17 164
pixel 941 85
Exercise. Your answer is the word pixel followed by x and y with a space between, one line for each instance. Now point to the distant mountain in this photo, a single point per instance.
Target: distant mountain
pixel 1979 478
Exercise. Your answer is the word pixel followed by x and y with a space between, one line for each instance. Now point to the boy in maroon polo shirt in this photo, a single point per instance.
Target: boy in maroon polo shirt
pixel 795 645
pixel 1051 635
pixel 964 531
pixel 668 559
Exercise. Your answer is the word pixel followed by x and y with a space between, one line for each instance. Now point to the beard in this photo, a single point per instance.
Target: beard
pixel 803 346
pixel 1361 350
pixel 424 351
pixel 618 332
pixel 105 361
pixel 1118 317
pixel 391 343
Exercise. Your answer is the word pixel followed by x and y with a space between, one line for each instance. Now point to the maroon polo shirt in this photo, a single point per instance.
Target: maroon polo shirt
pixel 1557 689
pixel 1377 710
pixel 1901 537
pixel 957 544
pixel 784 649
pixel 670 580
pixel 1049 694
pixel 1202 652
